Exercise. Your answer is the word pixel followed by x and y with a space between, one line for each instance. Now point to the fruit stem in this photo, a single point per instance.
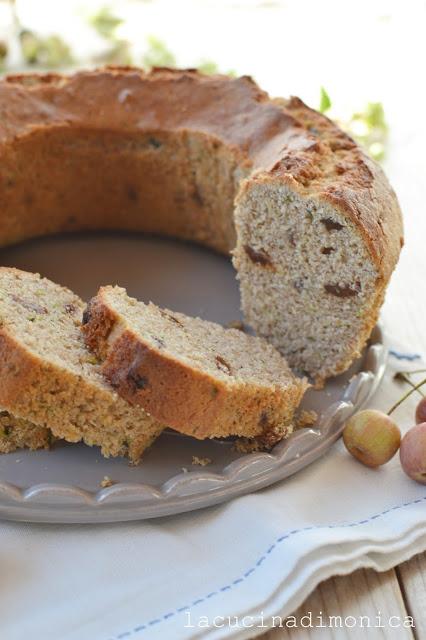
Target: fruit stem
pixel 403 375
pixel 406 395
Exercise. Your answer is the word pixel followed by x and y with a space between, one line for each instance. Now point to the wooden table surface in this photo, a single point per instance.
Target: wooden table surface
pixel 399 592
pixel 402 590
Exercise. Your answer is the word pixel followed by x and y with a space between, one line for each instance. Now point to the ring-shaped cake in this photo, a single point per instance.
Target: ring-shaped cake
pixel 314 227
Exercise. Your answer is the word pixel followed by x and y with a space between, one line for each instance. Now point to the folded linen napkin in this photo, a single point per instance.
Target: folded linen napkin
pixel 220 572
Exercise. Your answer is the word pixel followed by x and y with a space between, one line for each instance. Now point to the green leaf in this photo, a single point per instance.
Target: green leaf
pixel 105 23
pixel 49 52
pixel 118 54
pixel 325 102
pixel 373 116
pixel 3 51
pixel 56 52
pixel 157 54
pixel 370 129
pixel 208 67
pixel 30 46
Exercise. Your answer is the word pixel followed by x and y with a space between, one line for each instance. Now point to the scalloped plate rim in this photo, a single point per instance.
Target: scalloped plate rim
pixel 171 498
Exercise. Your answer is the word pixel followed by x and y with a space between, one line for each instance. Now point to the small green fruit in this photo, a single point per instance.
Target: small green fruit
pixel 371 437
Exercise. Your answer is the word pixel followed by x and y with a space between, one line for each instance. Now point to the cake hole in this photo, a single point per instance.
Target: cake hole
pixel 327 250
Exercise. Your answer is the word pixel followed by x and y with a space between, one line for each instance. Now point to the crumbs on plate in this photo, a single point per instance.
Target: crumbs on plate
pixel 305 419
pixel 106 482
pixel 202 462
pixel 246 445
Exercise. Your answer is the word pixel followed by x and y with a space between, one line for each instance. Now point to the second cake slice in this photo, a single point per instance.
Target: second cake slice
pixel 194 375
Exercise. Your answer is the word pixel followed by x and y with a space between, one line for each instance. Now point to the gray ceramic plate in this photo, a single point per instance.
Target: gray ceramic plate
pixel 64 485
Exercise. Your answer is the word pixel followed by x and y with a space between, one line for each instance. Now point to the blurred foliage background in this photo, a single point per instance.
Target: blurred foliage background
pixel 329 53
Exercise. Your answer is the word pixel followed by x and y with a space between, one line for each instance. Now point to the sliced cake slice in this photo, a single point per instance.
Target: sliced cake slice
pixel 199 378
pixel 49 378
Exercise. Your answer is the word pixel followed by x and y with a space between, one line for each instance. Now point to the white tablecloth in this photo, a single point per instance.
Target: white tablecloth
pixel 182 577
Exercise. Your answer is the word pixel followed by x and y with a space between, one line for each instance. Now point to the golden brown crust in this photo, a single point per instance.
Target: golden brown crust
pixel 233 110
pixel 190 400
pixel 284 140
